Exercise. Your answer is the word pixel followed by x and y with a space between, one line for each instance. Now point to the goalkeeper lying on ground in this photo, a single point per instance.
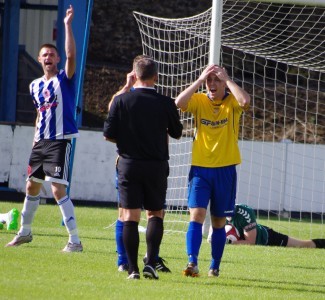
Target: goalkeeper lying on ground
pixel 252 233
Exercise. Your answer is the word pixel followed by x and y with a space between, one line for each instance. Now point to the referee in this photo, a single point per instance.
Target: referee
pixel 139 122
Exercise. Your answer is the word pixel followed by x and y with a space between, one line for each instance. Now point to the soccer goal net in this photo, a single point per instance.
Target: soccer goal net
pixel 276 52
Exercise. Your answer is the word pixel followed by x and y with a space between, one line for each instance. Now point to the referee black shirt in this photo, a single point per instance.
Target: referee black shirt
pixel 139 122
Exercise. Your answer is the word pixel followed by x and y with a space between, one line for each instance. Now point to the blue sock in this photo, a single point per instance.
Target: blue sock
pixel 193 241
pixel 218 242
pixel 121 253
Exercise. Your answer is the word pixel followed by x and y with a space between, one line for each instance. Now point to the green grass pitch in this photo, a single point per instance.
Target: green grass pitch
pixel 40 271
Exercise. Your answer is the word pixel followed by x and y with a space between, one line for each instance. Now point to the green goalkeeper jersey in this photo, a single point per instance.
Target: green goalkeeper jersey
pixel 245 219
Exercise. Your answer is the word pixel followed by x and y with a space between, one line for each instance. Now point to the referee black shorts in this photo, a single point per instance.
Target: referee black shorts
pixel 142 184
pixel 50 161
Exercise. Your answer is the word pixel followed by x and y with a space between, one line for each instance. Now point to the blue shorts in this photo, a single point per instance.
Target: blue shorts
pixel 217 185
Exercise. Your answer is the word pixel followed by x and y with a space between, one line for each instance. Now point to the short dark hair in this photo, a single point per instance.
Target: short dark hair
pixel 48 46
pixel 145 67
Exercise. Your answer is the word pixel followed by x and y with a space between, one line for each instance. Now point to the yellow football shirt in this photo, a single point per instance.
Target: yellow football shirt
pixel 215 142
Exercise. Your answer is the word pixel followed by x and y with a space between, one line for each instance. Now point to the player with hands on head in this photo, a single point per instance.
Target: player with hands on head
pixel 215 154
pixel 139 122
pixel 53 95
pixel 253 233
pixel 122 260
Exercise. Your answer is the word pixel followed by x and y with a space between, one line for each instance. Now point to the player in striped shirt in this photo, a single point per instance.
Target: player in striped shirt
pixel 54 98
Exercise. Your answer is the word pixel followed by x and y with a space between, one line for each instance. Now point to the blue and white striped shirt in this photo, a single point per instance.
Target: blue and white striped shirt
pixel 54 100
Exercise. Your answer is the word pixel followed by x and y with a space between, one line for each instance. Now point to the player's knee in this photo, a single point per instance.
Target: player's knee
pixel 156 213
pixel 197 215
pixel 33 188
pixel 58 191
pixel 218 222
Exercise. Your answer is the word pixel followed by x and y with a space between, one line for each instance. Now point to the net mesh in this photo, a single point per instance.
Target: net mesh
pixel 276 53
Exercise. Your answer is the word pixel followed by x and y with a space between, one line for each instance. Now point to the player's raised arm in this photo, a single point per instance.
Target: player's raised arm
pixel 240 94
pixel 184 97
pixel 70 45
pixel 130 81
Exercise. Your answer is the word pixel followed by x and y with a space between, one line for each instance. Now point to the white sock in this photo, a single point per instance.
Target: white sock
pixel 67 210
pixel 27 215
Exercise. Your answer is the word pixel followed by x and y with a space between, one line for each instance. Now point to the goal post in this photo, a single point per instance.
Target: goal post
pixel 215 36
pixel 214 58
pixel 275 50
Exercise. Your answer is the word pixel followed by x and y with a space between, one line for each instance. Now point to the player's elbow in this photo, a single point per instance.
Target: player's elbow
pixel 245 102
pixel 247 99
pixel 181 102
